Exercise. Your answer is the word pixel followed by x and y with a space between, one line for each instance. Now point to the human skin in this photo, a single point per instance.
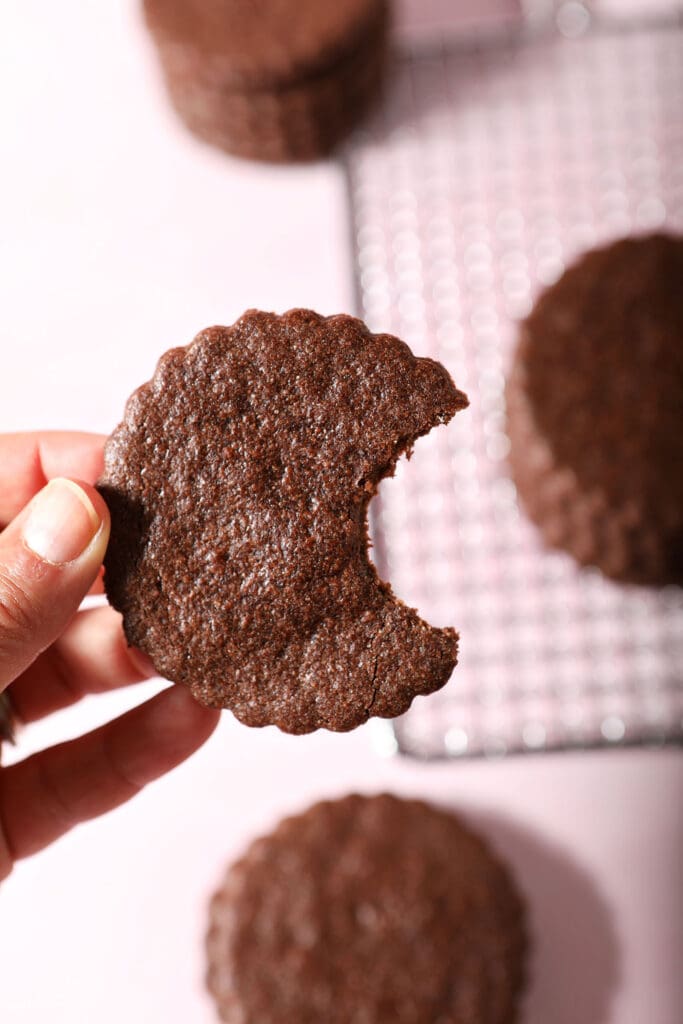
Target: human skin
pixel 56 528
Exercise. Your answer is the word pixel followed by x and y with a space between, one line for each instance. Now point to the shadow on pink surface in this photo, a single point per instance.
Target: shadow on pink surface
pixel 573 965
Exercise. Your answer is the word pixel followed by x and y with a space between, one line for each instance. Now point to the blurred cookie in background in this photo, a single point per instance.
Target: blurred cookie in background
pixel 373 909
pixel 595 411
pixel 273 80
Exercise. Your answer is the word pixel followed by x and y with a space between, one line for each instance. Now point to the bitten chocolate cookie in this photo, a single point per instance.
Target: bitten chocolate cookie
pixel 238 484
pixel 377 909
pixel 275 80
pixel 595 411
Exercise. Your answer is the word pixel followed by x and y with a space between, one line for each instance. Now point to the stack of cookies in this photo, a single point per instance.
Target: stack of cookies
pixel 274 80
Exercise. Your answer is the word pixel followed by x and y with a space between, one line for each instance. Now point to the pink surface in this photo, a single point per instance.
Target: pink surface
pixel 120 238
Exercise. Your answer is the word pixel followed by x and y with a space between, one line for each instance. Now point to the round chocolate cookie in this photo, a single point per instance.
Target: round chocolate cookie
pixel 273 80
pixel 371 909
pixel 238 484
pixel 595 411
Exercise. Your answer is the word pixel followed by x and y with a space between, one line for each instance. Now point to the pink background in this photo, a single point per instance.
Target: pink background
pixel 120 238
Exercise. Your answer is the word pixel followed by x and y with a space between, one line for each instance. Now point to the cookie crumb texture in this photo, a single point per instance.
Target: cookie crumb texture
pixel 369 909
pixel 271 80
pixel 595 411
pixel 238 484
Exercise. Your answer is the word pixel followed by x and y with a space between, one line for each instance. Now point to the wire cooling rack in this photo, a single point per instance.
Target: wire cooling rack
pixel 485 172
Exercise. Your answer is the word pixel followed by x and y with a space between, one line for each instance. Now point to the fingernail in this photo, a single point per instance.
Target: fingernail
pixel 61 523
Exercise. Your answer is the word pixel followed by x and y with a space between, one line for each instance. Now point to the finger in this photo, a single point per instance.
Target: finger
pixel 28 461
pixel 91 656
pixel 49 557
pixel 46 795
pixel 98 585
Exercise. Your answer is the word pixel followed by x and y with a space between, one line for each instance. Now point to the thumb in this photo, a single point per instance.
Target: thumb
pixel 49 557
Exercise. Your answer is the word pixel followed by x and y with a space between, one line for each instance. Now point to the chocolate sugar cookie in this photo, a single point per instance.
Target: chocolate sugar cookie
pixel 595 411
pixel 238 484
pixel 371 909
pixel 272 80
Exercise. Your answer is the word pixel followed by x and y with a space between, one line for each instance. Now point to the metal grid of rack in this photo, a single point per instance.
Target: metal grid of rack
pixel 485 172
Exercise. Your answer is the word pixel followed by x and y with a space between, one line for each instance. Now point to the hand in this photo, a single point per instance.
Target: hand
pixel 51 655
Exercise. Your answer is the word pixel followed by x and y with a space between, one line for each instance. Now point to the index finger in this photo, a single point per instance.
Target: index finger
pixel 29 460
